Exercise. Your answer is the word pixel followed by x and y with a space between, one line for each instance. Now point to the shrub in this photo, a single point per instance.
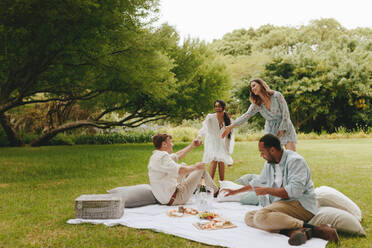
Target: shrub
pixel 115 138
pixel 61 139
pixel 3 138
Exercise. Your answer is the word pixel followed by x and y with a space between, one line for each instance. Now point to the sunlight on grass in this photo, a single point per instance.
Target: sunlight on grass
pixel 38 187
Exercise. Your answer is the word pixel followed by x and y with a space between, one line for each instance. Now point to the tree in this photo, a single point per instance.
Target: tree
pixel 100 55
pixel 323 89
pixel 322 69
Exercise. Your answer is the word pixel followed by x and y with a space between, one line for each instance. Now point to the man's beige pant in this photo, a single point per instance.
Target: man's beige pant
pixel 278 215
pixel 189 184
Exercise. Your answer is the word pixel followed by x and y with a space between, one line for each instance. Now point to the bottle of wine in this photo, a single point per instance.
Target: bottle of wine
pixel 202 186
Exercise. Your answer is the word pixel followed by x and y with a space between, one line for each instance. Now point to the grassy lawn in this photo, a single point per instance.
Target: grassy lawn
pixel 38 187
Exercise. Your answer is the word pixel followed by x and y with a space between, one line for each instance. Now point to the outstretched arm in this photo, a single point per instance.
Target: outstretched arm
pixel 185 170
pixel 279 192
pixel 182 153
pixel 248 187
pixel 228 130
pixel 252 110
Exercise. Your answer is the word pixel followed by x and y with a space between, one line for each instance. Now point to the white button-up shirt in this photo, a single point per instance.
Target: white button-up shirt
pixel 163 174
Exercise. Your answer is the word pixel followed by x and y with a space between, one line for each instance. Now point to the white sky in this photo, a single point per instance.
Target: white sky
pixel 211 19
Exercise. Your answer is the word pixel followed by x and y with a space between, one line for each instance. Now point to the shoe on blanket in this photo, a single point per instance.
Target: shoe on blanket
pixel 325 232
pixel 216 193
pixel 298 236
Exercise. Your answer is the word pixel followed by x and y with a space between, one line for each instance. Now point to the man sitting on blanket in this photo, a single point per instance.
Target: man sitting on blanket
pixel 173 183
pixel 285 183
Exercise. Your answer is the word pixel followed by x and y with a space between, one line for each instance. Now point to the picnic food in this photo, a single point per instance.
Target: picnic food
pixel 175 213
pixel 182 211
pixel 207 215
pixel 217 223
pixel 191 211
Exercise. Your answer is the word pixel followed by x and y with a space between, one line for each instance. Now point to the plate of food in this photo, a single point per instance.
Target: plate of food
pixel 207 215
pixel 217 223
pixel 182 211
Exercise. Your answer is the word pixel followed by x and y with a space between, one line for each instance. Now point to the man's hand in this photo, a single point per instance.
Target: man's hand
pixel 200 166
pixel 228 192
pixel 261 190
pixel 227 131
pixel 182 153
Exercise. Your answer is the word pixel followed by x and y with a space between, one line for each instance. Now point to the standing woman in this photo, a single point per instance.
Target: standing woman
pixel 273 107
pixel 217 151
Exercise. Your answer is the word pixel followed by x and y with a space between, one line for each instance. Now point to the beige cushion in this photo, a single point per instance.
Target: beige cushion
pixel 330 197
pixel 338 219
pixel 136 195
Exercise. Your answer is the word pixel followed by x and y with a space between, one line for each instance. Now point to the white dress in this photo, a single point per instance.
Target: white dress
pixel 216 148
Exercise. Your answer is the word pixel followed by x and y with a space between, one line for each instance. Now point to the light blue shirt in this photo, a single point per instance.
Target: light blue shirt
pixel 296 181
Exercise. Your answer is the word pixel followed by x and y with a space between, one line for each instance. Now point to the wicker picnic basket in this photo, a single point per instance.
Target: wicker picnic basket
pixel 99 206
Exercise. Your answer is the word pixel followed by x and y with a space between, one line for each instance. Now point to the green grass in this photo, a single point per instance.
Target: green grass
pixel 38 187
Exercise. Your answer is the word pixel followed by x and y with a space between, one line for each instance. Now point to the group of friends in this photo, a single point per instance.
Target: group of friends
pixel 285 179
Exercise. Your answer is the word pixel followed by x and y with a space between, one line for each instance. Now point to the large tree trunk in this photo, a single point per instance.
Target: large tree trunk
pixel 13 137
pixel 43 140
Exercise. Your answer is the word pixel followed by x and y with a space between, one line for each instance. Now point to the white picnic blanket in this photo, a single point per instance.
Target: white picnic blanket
pixel 155 217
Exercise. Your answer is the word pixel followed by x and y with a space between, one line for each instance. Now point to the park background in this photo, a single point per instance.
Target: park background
pixel 83 72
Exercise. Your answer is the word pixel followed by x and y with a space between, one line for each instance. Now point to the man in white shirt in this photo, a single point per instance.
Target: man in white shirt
pixel 173 183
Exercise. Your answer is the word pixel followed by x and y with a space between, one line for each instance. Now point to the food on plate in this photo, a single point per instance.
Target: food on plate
pixel 182 211
pixel 175 213
pixel 191 211
pixel 208 215
pixel 214 224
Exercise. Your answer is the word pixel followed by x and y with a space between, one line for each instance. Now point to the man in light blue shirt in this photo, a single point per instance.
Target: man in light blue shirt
pixel 287 195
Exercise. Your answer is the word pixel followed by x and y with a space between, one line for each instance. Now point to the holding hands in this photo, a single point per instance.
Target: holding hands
pixel 197 141
pixel 227 131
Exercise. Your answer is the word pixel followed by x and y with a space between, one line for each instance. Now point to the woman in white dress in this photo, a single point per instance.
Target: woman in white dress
pixel 217 150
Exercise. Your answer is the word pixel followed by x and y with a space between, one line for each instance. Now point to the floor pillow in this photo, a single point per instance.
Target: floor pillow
pixel 339 219
pixel 229 185
pixel 249 198
pixel 244 180
pixel 330 197
pixel 136 195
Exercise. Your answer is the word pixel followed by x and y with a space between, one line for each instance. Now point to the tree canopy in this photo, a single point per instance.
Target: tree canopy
pixel 105 58
pixel 323 70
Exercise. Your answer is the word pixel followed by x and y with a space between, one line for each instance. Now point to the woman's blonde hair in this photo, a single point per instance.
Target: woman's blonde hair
pixel 255 98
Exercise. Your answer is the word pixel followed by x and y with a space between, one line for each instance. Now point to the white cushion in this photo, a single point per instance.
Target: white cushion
pixel 330 197
pixel 229 185
pixel 338 219
pixel 135 195
pixel 244 180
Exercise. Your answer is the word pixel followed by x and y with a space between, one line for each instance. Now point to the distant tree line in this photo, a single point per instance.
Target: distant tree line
pixel 323 70
pixel 66 65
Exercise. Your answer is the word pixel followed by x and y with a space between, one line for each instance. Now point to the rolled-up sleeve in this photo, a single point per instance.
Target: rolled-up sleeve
pixel 297 177
pixel 252 110
pixel 174 157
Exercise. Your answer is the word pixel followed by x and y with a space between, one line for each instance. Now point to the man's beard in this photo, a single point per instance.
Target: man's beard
pixel 271 160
